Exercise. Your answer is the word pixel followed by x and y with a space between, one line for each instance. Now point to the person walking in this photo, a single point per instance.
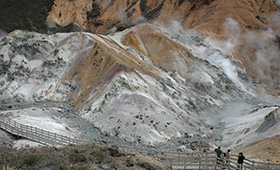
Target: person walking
pixel 240 160
pixel 219 153
pixel 227 158
pixel 223 160
pixel 228 155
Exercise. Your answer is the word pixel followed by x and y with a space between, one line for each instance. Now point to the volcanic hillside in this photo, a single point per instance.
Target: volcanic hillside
pixel 257 17
pixel 152 73
pixel 241 23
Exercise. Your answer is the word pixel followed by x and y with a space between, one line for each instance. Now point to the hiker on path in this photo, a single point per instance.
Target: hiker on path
pixel 219 153
pixel 240 160
pixel 228 156
pixel 223 159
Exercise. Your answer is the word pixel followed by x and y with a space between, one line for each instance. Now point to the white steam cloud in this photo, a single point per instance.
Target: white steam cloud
pixel 210 51
pixel 259 50
pixel 277 2
pixel 275 22
pixel 232 29
pixel 121 14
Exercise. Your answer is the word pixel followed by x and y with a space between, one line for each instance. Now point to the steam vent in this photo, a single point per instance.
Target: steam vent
pixel 160 75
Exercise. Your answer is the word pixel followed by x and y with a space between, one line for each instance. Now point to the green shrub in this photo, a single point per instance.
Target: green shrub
pixel 24 161
pixel 31 160
pixel 80 167
pixel 100 156
pixel 61 164
pixel 77 157
pixel 1 164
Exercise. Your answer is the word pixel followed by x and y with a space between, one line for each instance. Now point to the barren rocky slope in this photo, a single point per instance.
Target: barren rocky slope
pixel 239 22
pixel 205 16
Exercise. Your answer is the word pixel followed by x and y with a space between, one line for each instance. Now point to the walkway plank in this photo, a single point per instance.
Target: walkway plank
pixel 36 134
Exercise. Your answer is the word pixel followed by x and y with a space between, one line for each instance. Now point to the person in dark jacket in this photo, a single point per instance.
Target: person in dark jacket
pixel 219 153
pixel 240 160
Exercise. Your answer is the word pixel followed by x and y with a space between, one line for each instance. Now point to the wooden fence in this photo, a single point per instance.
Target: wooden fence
pixel 201 160
pixel 209 161
pixel 174 159
pixel 36 134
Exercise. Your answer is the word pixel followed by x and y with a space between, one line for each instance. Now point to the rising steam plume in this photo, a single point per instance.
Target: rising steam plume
pixel 258 50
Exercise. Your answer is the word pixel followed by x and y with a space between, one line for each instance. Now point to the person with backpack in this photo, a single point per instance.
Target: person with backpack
pixel 219 153
pixel 240 160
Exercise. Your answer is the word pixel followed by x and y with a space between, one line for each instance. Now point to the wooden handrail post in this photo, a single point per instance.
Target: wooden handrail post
pixel 31 133
pixel 178 157
pixel 170 159
pixel 215 164
pixel 207 160
pixel 199 162
pixel 164 156
pixel 35 133
pixel 185 163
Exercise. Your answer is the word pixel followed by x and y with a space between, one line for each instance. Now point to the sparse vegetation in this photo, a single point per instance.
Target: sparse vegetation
pixel 27 161
pixel 76 158
pixel 1 164
pixel 31 160
pixel 99 155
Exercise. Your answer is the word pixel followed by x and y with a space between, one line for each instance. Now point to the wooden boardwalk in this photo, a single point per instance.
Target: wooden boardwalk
pixel 201 161
pixel 174 159
pixel 36 134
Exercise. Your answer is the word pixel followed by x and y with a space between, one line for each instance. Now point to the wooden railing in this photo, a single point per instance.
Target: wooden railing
pixel 175 159
pixel 201 160
pixel 210 161
pixel 36 134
